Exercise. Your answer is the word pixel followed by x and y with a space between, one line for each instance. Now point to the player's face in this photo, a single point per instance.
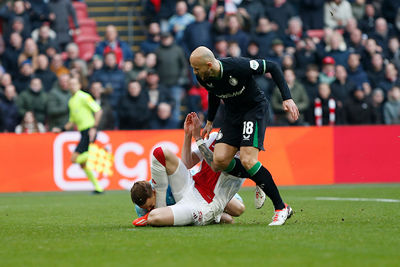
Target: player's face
pixel 150 203
pixel 201 70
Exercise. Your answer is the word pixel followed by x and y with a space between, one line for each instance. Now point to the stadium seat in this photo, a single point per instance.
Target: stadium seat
pixel 316 33
pixel 80 9
pixel 88 27
pixel 87 46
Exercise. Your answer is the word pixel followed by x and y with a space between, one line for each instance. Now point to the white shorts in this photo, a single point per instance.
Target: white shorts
pixel 191 208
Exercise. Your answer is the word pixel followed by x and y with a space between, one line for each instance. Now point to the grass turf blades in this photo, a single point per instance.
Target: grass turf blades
pixel 64 229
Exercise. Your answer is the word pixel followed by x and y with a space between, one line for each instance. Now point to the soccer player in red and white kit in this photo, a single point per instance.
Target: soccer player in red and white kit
pixel 201 199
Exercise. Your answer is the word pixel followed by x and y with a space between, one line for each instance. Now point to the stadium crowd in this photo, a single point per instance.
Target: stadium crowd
pixel 341 60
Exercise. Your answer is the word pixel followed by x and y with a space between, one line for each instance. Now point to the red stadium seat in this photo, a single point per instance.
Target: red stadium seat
pixel 80 9
pixel 88 27
pixel 316 33
pixel 87 46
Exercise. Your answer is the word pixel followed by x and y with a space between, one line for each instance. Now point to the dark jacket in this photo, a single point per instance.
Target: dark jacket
pixel 10 60
pixel 197 34
pixel 62 10
pixel 171 64
pixel 133 112
pixel 32 101
pixel 341 92
pixel 47 77
pixel 358 111
pixel 10 116
pixel 113 77
pixel 57 107
pixel 312 14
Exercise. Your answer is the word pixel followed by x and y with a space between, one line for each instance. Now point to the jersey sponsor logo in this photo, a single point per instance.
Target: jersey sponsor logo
pixel 254 64
pixel 233 81
pixel 232 94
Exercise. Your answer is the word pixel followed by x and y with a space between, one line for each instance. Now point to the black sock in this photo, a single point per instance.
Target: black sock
pixel 263 178
pixel 236 168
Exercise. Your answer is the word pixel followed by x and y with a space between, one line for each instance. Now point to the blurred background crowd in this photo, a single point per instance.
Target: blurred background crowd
pixel 340 58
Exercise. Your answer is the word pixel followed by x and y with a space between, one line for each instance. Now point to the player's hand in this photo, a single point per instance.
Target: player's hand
pixel 196 126
pixel 290 106
pixel 188 125
pixel 92 134
pixel 206 130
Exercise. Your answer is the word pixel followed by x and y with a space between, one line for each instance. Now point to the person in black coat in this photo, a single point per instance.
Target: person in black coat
pixel 357 109
pixel 312 14
pixel 133 109
pixel 43 73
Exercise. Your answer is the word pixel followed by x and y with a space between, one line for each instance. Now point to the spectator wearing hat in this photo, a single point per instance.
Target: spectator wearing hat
pixel 24 77
pixel 11 54
pixel 357 109
pixel 112 43
pixel 277 51
pixel 342 87
pixel 43 72
pixel 264 36
pixel 356 73
pixel 253 50
pixel 198 32
pixel 327 75
pixel 152 41
pixel 172 70
pixel 9 110
pixel 33 99
pixel 391 109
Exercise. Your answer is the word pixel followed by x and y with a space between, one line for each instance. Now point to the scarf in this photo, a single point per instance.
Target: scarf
pixel 318 111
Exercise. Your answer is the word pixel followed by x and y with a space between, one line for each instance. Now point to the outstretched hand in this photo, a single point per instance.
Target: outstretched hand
pixel 196 126
pixel 188 125
pixel 290 106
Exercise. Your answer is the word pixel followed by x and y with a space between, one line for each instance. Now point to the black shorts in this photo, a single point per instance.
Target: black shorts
pixel 247 129
pixel 83 145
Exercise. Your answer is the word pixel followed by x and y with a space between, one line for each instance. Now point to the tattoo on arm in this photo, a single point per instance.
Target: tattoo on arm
pixel 207 153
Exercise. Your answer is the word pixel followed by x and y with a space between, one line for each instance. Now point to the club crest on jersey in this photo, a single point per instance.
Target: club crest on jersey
pixel 219 136
pixel 254 64
pixel 211 85
pixel 233 81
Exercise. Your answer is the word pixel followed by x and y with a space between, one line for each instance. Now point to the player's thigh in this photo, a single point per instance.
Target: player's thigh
pixel 182 213
pixel 161 217
pixel 179 181
pixel 253 127
pixel 171 161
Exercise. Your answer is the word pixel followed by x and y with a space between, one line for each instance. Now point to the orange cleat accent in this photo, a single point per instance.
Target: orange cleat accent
pixel 141 221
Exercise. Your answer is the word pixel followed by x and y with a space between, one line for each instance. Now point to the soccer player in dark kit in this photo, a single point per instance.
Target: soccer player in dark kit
pixel 246 113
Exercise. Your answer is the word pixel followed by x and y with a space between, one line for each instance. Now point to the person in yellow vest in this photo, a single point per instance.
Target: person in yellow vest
pixel 85 113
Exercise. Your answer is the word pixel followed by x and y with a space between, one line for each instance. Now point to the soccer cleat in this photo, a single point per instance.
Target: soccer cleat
pixel 281 216
pixel 259 197
pixel 141 221
pixel 96 192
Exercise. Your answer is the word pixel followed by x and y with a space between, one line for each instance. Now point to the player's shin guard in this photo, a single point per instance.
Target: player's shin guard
pixel 93 179
pixel 82 158
pixel 159 177
pixel 236 168
pixel 263 178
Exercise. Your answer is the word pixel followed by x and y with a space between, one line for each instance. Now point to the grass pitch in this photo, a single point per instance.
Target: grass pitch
pixel 79 229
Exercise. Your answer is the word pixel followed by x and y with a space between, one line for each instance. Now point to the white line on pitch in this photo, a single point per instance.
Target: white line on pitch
pixel 358 199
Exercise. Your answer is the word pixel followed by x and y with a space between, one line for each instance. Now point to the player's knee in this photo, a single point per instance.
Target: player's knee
pixel 239 209
pixel 160 154
pixel 247 161
pixel 220 163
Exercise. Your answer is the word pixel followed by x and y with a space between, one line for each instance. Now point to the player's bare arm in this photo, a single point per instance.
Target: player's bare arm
pixel 188 157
